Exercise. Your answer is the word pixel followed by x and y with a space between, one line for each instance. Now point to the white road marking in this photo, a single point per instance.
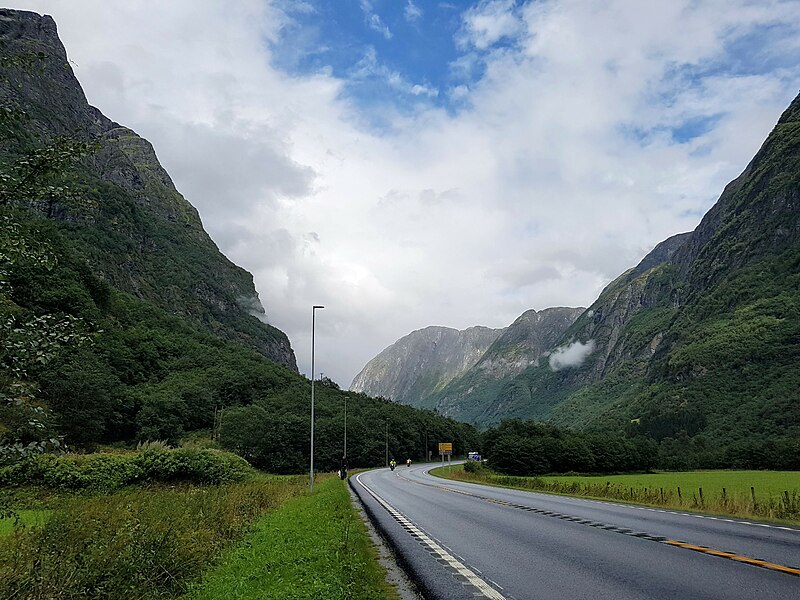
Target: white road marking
pixel 485 589
pixel 647 508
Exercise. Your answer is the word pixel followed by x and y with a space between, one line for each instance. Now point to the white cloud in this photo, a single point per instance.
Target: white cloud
pixel 489 22
pixel 412 12
pixel 370 67
pixel 570 356
pixel 374 21
pixel 559 171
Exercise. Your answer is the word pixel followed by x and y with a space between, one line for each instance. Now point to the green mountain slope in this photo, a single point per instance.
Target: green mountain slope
pixel 418 365
pixel 120 321
pixel 700 343
pixel 128 220
pixel 527 341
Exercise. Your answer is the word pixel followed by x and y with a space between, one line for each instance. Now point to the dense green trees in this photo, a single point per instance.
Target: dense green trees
pixel 274 432
pixel 529 448
pixel 102 367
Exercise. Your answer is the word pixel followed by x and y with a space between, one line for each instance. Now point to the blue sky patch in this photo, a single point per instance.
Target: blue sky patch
pixel 695 127
pixel 386 51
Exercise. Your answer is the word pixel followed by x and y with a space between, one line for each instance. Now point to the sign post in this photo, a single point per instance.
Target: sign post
pixel 446 449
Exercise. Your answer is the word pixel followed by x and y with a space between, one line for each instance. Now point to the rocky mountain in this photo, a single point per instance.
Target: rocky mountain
pixel 120 320
pixel 420 364
pixel 696 347
pixel 699 344
pixel 528 340
pixel 128 222
pixel 456 372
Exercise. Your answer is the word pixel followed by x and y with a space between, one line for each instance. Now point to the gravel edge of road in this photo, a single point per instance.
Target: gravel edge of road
pixel 398 573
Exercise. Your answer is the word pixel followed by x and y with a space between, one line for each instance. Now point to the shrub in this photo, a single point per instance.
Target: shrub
pixel 473 466
pixel 106 472
pixel 191 464
pixel 134 544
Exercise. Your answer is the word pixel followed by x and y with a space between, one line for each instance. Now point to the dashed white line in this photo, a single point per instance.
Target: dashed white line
pixel 483 587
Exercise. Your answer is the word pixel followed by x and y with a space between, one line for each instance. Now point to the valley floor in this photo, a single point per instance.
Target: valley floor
pixel 767 495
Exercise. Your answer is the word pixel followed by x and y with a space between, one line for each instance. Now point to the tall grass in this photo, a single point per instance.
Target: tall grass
pixel 12 519
pixel 313 547
pixel 146 543
pixel 734 500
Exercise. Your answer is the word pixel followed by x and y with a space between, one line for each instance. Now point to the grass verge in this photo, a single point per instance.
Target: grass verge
pixel 22 518
pixel 774 495
pixel 143 542
pixel 312 547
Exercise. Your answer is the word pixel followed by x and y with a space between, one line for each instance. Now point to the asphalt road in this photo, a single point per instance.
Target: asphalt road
pixel 462 540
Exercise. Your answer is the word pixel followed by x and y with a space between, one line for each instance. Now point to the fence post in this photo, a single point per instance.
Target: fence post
pixel 753 495
pixel 662 495
pixel 680 498
pixel 701 496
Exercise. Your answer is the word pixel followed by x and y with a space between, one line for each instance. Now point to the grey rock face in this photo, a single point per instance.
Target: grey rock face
pixel 459 372
pixel 421 363
pixel 525 340
pixel 522 345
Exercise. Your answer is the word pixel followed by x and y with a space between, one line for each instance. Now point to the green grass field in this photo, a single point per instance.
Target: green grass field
pixel 765 483
pixel 312 547
pixel 82 532
pixel 28 518
pixel 775 495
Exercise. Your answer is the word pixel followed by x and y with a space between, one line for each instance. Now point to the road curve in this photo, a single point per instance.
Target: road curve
pixel 461 540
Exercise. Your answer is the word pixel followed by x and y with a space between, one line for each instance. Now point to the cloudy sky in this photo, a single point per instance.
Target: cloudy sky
pixel 412 163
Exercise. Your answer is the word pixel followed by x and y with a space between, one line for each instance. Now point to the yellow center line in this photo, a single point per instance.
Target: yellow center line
pixel 705 550
pixel 737 557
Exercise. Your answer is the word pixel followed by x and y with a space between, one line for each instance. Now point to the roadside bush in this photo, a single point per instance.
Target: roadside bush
pixel 191 464
pixel 473 466
pixel 134 544
pixel 106 472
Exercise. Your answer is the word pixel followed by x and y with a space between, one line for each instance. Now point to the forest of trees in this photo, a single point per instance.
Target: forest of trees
pixel 517 447
pixel 122 370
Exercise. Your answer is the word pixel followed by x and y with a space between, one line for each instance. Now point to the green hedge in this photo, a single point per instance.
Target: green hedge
pixel 112 471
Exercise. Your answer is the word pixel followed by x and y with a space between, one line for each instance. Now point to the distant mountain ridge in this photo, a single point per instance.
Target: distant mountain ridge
pixel 436 367
pixel 422 362
pixel 697 347
pixel 529 339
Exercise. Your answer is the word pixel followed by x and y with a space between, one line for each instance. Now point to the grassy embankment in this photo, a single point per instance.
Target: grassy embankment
pixel 169 540
pixel 313 547
pixel 771 495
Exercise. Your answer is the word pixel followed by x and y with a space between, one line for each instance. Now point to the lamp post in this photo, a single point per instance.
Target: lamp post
pixel 313 327
pixel 345 425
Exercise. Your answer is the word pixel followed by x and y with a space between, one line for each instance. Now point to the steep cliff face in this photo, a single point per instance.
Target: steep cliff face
pixel 703 337
pixel 459 372
pixel 131 225
pixel 524 343
pixel 626 322
pixel 757 216
pixel 421 363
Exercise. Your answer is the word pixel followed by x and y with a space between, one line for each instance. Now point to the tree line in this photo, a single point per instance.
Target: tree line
pixel 516 447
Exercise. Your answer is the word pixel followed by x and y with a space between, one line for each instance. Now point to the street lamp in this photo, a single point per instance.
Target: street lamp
pixel 313 327
pixel 345 425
